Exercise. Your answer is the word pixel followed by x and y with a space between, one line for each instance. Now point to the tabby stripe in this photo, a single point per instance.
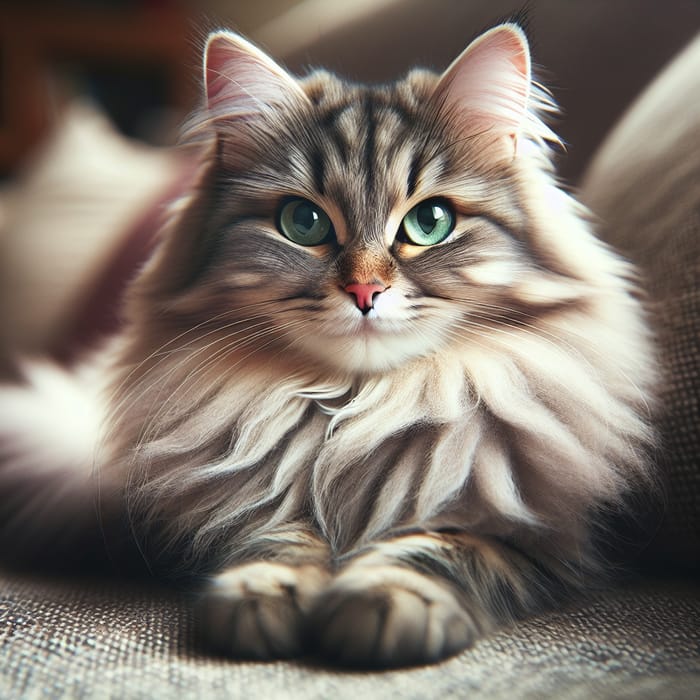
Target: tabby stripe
pixel 318 168
pixel 370 143
pixel 329 124
pixel 483 571
pixel 413 174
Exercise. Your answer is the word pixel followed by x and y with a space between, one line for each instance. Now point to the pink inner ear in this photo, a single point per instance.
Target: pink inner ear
pixel 216 58
pixel 488 86
pixel 240 79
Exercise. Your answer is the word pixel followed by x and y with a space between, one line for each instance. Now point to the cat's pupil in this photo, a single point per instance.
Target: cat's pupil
pixel 428 215
pixel 305 217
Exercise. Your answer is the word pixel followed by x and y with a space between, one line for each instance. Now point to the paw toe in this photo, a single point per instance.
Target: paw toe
pixel 258 611
pixel 405 621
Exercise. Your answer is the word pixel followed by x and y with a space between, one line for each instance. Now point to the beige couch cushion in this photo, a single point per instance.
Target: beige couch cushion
pixel 644 184
pixel 64 220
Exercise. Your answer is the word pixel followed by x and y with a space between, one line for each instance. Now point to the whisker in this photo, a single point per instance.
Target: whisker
pixel 563 343
pixel 221 354
pixel 159 352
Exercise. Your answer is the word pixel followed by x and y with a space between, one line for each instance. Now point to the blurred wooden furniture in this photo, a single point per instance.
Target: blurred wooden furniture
pixel 36 39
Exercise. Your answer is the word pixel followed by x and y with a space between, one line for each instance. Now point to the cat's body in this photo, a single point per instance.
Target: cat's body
pixel 378 377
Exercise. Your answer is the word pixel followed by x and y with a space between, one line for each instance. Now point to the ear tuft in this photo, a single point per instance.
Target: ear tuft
pixel 488 86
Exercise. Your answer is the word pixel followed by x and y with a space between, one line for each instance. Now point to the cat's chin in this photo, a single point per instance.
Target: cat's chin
pixel 367 352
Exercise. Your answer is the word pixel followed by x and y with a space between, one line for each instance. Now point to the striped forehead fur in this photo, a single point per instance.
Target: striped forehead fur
pixel 506 392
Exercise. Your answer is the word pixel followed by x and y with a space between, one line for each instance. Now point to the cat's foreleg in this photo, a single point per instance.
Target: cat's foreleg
pixel 259 608
pixel 422 597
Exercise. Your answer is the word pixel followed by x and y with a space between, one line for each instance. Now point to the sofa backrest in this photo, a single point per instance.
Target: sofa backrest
pixel 644 185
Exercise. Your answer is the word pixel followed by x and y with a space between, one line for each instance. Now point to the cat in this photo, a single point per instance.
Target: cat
pixel 376 383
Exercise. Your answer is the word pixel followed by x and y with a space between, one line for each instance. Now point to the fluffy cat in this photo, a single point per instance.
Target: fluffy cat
pixel 377 380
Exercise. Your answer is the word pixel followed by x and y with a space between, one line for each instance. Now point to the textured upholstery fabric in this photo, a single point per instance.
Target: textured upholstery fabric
pixel 74 640
pixel 645 186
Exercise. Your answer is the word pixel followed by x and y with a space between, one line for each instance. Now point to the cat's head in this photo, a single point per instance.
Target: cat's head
pixel 360 227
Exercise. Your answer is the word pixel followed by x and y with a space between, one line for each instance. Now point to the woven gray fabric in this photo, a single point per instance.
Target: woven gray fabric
pixel 644 184
pixel 78 640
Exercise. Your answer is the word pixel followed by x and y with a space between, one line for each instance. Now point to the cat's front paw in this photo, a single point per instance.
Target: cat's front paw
pixel 259 610
pixel 385 616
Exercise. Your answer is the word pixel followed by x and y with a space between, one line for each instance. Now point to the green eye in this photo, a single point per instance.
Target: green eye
pixel 304 223
pixel 429 222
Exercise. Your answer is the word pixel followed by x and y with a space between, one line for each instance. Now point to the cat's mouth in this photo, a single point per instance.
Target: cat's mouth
pixel 363 330
pixel 371 324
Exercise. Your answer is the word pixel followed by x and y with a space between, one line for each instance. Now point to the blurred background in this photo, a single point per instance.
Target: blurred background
pixel 92 91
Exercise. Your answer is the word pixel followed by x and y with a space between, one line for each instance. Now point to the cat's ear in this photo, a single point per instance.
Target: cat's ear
pixel 241 81
pixel 487 88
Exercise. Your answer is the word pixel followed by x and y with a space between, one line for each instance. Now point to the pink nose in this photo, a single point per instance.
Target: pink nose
pixel 364 294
